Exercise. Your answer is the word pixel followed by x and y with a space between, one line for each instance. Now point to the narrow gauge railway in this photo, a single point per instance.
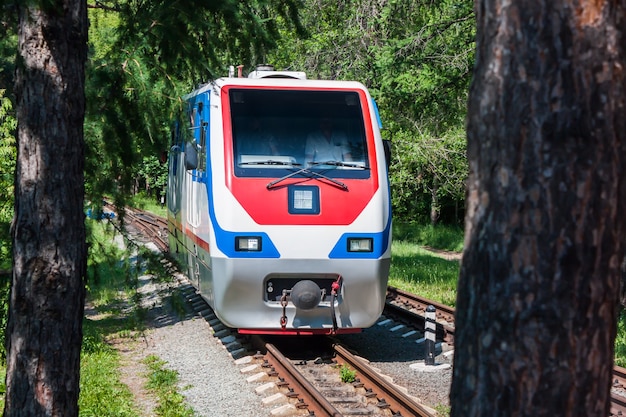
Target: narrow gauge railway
pixel 410 308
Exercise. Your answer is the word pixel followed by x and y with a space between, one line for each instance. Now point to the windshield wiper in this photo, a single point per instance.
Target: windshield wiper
pixel 311 174
pixel 339 164
pixel 269 162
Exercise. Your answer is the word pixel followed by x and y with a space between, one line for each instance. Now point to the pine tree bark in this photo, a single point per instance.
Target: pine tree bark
pixel 44 331
pixel 539 284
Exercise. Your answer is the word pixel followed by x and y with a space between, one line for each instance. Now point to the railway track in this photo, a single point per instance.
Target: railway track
pixel 311 385
pixel 410 308
pixel 150 226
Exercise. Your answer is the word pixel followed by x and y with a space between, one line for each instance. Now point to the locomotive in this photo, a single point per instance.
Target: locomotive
pixel 279 204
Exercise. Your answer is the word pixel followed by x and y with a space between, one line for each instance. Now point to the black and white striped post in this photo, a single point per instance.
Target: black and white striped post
pixel 429 335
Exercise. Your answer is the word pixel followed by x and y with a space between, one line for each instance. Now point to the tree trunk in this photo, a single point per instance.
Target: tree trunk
pixel 539 284
pixel 435 207
pixel 44 331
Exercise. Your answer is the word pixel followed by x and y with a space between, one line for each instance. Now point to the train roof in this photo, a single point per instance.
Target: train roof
pixel 276 82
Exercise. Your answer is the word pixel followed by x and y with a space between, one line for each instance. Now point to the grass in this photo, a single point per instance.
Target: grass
pixel 163 382
pixel 101 392
pixel 444 237
pixel 347 374
pixel 112 283
pixel 417 270
pixel 148 203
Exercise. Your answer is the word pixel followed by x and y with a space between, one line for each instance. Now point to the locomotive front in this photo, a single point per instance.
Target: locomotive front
pixel 291 196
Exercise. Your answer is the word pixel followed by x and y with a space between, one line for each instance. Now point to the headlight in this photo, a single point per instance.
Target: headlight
pixel 360 244
pixel 248 243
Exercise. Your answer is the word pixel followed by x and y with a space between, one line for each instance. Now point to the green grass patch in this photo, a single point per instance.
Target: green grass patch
pixel 444 237
pixel 347 374
pixel 111 274
pixel 101 392
pixel 419 271
pixel 112 290
pixel 148 203
pixel 163 382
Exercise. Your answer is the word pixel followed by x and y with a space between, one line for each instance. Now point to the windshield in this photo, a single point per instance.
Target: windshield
pixel 282 132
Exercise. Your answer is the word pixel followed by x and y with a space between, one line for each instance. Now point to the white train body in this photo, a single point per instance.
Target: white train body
pixel 250 224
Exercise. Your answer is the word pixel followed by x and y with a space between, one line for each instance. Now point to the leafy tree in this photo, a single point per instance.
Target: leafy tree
pixel 152 176
pixel 416 58
pixel 428 174
pixel 8 45
pixel 539 284
pixel 145 56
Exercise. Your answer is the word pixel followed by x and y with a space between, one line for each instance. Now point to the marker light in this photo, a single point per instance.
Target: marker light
pixel 248 243
pixel 360 244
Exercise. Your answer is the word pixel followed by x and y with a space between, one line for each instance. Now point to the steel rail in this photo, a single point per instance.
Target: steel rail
pixel 398 401
pixel 313 399
pixel 443 331
pixel 444 312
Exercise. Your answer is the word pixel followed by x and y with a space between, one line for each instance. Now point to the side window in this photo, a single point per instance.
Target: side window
pixel 198 130
pixel 202 146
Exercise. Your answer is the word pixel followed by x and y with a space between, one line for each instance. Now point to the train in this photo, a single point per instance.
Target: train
pixel 278 202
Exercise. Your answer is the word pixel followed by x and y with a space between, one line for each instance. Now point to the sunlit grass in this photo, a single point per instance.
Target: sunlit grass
pixel 163 382
pixel 444 237
pixel 102 394
pixel 112 282
pixel 419 271
pixel 148 203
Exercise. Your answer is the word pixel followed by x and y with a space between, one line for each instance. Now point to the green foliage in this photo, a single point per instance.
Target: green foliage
pixel 426 170
pixel 109 272
pixel 420 271
pixel 147 203
pixel 8 48
pixel 442 410
pixel 7 168
pixel 144 57
pixel 164 382
pixel 8 153
pixel 3 386
pixel 152 174
pixel 5 281
pixel 347 374
pixel 620 340
pixel 416 60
